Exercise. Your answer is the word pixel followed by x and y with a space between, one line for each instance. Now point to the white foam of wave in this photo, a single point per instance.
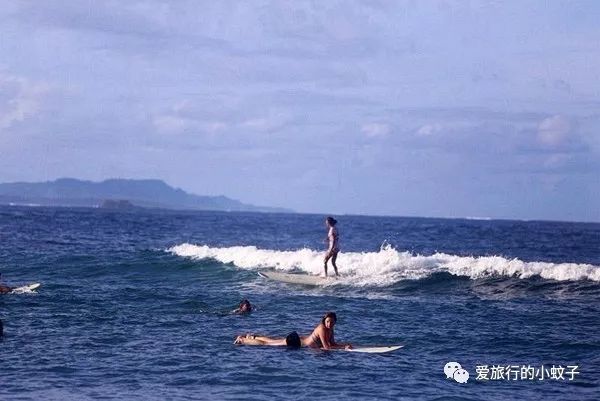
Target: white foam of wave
pixel 388 266
pixel 23 290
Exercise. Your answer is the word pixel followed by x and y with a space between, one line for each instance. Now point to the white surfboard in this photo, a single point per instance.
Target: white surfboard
pixel 304 279
pixel 25 288
pixel 374 350
pixel 364 349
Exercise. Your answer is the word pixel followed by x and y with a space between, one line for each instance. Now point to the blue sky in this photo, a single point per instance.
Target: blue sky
pixel 414 108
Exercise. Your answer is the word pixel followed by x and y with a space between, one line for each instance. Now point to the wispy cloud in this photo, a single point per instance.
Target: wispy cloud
pixel 430 129
pixel 19 99
pixel 553 132
pixel 376 130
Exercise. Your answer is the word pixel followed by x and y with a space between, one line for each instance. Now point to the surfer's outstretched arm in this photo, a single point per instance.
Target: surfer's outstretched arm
pixel 339 345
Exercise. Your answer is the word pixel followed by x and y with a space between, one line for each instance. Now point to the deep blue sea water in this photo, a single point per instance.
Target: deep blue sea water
pixel 133 305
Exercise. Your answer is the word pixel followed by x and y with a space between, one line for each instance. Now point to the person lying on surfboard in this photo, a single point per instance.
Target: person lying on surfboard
pixel 243 308
pixel 334 246
pixel 321 337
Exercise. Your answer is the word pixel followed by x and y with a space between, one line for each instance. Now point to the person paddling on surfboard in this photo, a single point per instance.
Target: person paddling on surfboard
pixel 321 337
pixel 334 246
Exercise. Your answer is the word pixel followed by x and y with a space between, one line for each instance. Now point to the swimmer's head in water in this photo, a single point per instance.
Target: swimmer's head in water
pixel 245 306
pixel 331 221
pixel 293 340
pixel 329 320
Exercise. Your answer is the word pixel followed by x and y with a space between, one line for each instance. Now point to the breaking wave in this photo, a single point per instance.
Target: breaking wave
pixel 387 266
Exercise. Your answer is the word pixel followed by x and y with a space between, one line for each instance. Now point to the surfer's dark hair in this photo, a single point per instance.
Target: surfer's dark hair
pixel 246 303
pixel 293 340
pixel 332 315
pixel 331 220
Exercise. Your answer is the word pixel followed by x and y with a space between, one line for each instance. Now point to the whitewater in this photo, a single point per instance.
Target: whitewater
pixel 387 266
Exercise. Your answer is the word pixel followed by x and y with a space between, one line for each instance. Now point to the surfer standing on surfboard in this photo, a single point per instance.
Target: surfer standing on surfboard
pixel 334 247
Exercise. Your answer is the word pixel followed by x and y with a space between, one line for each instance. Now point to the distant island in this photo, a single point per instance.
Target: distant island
pixel 117 204
pixel 118 194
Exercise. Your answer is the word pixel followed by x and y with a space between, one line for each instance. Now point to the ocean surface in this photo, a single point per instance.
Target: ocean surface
pixel 135 306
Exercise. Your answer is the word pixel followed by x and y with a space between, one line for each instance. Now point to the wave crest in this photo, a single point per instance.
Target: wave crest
pixel 388 266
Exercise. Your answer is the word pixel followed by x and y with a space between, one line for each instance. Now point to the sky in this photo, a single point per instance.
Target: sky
pixel 484 109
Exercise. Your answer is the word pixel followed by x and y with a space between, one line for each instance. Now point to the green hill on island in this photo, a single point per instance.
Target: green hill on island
pixel 117 193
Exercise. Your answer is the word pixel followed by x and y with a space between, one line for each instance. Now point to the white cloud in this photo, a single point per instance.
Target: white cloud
pixel 429 129
pixel 260 124
pixel 376 130
pixel 214 127
pixel 556 161
pixel 170 124
pixel 19 99
pixel 185 117
pixel 173 124
pixel 273 121
pixel 554 131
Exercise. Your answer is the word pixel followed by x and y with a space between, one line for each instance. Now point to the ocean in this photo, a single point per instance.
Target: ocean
pixel 136 306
